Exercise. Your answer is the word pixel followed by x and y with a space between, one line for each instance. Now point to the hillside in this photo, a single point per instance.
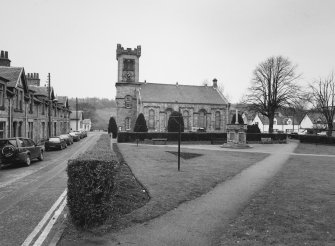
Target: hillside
pixel 102 117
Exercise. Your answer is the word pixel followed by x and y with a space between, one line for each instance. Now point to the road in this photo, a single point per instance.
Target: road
pixel 28 196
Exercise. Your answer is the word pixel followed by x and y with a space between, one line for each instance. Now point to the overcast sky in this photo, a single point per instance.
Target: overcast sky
pixel 185 41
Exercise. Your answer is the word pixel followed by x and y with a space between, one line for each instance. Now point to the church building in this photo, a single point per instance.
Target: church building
pixel 201 106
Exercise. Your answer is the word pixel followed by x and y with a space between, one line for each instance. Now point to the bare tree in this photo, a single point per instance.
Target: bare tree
pixel 323 99
pixel 273 87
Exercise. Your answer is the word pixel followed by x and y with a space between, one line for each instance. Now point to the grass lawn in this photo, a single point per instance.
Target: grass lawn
pixel 318 149
pixel 156 168
pixel 296 208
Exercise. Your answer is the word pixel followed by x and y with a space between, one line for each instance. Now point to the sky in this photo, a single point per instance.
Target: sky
pixel 184 41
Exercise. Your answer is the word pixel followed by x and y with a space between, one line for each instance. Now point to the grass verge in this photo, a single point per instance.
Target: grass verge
pixel 296 208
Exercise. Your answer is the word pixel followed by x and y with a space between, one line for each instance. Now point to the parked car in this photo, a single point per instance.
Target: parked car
pixel 75 136
pixel 55 143
pixel 323 133
pixel 20 150
pixel 68 138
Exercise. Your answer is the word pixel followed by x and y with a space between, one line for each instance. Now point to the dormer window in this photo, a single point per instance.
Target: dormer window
pixel 275 122
pixel 128 101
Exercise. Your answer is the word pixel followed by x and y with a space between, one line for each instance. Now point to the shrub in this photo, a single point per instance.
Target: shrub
pixel 317 139
pixel 253 129
pixel 175 121
pixel 112 127
pixel 276 137
pixel 91 184
pixel 140 124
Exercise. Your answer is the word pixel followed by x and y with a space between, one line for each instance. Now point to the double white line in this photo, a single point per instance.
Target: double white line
pixel 51 216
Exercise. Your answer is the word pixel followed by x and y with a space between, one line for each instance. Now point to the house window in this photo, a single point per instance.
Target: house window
pixel 43 129
pixel 20 129
pixel 16 99
pixel 202 119
pixel 217 120
pixel 30 129
pixel 43 107
pixel 151 119
pixel 21 100
pixel 127 123
pixel 14 129
pixel 2 95
pixel 31 105
pixel 55 112
pixel 275 121
pixel 55 128
pixel 128 100
pixel 2 129
pixel 186 116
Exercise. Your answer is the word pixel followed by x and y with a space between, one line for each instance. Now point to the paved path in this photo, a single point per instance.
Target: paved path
pixel 202 221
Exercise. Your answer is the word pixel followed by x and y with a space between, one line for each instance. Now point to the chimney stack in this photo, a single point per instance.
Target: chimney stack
pixel 33 79
pixel 215 83
pixel 4 61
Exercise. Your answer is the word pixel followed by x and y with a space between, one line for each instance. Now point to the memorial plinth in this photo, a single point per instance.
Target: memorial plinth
pixel 236 136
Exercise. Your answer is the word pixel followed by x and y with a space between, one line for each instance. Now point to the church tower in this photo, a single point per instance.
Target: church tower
pixel 127 86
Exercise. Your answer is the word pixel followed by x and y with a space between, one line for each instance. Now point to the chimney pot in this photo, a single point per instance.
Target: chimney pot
pixel 2 54
pixel 215 83
pixel 6 54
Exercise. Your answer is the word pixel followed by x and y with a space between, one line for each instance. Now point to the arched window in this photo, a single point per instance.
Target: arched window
pixel 151 119
pixel 168 113
pixel 127 123
pixel 186 116
pixel 127 101
pixel 217 120
pixel 202 119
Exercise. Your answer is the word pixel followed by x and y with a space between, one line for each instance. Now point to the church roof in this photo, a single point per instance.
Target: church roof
pixel 171 93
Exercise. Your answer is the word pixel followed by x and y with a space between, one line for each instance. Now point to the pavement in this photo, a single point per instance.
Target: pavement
pixel 202 221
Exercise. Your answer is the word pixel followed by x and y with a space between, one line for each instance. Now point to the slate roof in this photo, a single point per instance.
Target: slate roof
pixel 4 79
pixel 171 93
pixel 281 119
pixel 11 73
pixel 39 90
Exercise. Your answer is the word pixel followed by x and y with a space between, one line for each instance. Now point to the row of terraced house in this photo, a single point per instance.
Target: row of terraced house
pixel 25 104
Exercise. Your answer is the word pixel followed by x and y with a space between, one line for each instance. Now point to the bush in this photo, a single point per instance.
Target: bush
pixel 253 129
pixel 91 184
pixel 175 121
pixel 140 124
pixel 112 127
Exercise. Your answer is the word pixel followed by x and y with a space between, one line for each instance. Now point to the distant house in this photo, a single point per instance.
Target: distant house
pixel 76 120
pixel 314 120
pixel 281 123
pixel 87 124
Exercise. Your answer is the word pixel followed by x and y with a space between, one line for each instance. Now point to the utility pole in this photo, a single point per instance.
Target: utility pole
pixel 179 138
pixel 77 114
pixel 50 104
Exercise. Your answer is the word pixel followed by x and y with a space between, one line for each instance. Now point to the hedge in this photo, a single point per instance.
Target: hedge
pixel 316 139
pixel 91 184
pixel 124 137
pixel 251 137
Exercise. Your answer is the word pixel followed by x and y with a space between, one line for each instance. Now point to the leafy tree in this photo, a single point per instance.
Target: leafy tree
pixel 322 97
pixel 140 124
pixel 175 120
pixel 273 87
pixel 240 119
pixel 112 127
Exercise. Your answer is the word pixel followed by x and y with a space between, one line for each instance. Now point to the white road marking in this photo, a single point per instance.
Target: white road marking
pixel 44 220
pixel 49 226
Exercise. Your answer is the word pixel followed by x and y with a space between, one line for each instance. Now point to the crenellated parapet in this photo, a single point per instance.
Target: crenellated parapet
pixel 128 51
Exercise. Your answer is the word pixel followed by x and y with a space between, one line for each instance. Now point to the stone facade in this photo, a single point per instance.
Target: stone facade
pixel 24 105
pixel 201 106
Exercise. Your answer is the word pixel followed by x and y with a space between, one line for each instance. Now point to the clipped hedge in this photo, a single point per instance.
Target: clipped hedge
pixel 124 137
pixel 256 137
pixel 91 184
pixel 316 139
